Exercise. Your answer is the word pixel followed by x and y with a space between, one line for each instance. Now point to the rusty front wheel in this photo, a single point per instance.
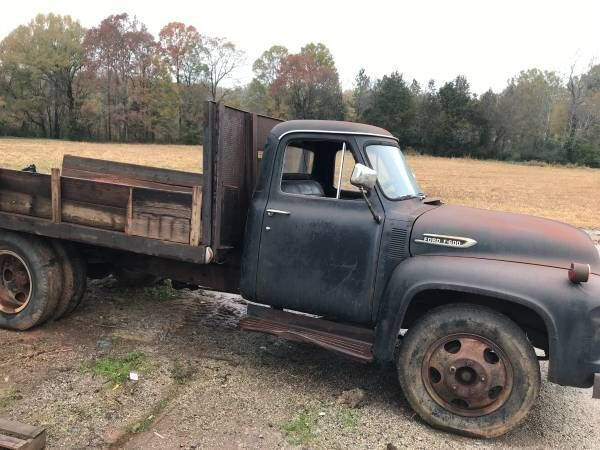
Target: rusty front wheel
pixel 30 281
pixel 469 369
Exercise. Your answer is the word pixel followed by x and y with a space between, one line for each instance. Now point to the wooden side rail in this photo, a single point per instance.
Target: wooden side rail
pixel 166 215
pixel 130 174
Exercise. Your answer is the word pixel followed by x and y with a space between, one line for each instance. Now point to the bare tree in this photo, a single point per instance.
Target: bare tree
pixel 221 59
pixel 578 87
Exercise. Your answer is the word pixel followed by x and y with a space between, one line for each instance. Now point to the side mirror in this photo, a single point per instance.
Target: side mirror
pixel 363 177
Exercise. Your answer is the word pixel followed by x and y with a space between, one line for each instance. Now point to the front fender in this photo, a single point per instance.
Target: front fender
pixel 563 306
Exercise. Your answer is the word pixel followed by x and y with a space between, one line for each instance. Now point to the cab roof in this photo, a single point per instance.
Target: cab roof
pixel 329 126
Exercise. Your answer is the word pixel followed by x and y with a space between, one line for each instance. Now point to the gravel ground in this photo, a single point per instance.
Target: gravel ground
pixel 205 384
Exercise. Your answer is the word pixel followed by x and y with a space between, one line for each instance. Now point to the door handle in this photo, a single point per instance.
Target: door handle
pixel 272 212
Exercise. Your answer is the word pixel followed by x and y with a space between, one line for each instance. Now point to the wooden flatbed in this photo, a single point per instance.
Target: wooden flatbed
pixel 188 217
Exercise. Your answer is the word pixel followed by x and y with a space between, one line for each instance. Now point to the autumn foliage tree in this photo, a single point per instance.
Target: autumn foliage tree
pixel 308 83
pixel 40 63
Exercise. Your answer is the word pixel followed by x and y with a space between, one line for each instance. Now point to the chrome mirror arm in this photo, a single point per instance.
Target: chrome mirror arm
pixel 376 216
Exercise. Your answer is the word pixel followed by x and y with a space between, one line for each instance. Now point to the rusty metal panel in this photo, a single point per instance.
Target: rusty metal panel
pixel 351 341
pixel 230 178
pixel 263 128
pixel 208 152
pixel 234 139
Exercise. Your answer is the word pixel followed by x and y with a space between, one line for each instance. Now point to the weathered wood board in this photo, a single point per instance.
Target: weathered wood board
pixel 130 174
pixel 169 213
pixel 19 436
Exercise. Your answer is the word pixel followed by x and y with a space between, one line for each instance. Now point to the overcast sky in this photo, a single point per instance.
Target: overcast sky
pixel 487 41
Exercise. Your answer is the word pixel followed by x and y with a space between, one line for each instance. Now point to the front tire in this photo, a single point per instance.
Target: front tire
pixel 470 370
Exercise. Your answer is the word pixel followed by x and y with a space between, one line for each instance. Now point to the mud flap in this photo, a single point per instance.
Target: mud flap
pixel 596 393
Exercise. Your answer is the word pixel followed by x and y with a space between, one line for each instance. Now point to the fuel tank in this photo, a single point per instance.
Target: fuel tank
pixel 478 233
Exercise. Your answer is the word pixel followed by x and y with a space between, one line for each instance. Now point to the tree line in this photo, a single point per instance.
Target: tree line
pixel 118 82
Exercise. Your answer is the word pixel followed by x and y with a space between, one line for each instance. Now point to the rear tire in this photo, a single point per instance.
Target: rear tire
pixel 74 278
pixel 81 277
pixel 30 281
pixel 469 370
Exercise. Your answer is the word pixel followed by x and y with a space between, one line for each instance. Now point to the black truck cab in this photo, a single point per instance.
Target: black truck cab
pixel 384 258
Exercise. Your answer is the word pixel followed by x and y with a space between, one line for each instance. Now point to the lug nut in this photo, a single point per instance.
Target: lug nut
pixel 454 387
pixel 452 369
pixel 482 378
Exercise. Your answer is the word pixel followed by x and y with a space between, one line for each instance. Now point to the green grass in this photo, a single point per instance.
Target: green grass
pixel 161 292
pixel 347 418
pixel 302 428
pixel 117 369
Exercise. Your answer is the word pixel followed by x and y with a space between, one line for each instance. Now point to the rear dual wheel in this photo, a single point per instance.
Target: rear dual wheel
pixel 38 280
pixel 30 282
pixel 469 370
pixel 74 278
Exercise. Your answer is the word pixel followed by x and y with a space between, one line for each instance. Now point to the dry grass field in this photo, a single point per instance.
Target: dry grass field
pixel 567 194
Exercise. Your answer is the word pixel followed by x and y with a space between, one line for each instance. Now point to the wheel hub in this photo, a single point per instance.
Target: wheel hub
pixel 467 374
pixel 15 283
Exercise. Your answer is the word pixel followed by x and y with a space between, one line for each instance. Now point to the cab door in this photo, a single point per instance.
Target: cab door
pixel 318 249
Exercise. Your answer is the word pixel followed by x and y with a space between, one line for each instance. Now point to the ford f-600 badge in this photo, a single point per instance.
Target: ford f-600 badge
pixel 447 241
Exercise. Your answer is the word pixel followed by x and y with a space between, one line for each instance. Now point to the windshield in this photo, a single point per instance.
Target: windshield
pixel 393 173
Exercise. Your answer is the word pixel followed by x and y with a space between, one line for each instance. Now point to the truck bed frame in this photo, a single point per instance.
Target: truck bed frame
pixel 189 217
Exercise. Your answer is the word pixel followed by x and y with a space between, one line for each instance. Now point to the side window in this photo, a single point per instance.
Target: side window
pixel 312 167
pixel 298 160
pixel 297 173
pixel 349 163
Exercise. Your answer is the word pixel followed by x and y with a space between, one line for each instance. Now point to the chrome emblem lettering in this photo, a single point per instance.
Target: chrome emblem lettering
pixel 446 241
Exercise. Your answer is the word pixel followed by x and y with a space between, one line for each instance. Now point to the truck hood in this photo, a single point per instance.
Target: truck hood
pixel 478 233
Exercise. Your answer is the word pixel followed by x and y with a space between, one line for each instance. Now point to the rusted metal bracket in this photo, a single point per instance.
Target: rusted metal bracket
pixel 596 393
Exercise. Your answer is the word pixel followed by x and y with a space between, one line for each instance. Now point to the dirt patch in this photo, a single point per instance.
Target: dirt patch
pixel 205 384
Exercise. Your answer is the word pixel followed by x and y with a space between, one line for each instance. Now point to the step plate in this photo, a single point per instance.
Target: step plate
pixel 350 341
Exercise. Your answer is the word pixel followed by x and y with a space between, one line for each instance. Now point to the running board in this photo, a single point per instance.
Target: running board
pixel 349 340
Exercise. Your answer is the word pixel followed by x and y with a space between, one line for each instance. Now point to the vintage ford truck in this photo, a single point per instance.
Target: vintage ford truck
pixel 323 228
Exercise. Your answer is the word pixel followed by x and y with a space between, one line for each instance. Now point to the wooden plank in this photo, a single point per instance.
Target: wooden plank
pixel 97 216
pixel 196 219
pixel 26 204
pixel 29 183
pixel 19 429
pixel 90 191
pixel 81 213
pixel 163 199
pixel 134 171
pixel 103 238
pixel 162 227
pixel 161 215
pixel 12 443
pixel 129 212
pixel 122 181
pixel 56 200
pixel 15 435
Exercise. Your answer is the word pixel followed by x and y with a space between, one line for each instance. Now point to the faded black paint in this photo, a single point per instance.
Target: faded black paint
pixel 330 258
